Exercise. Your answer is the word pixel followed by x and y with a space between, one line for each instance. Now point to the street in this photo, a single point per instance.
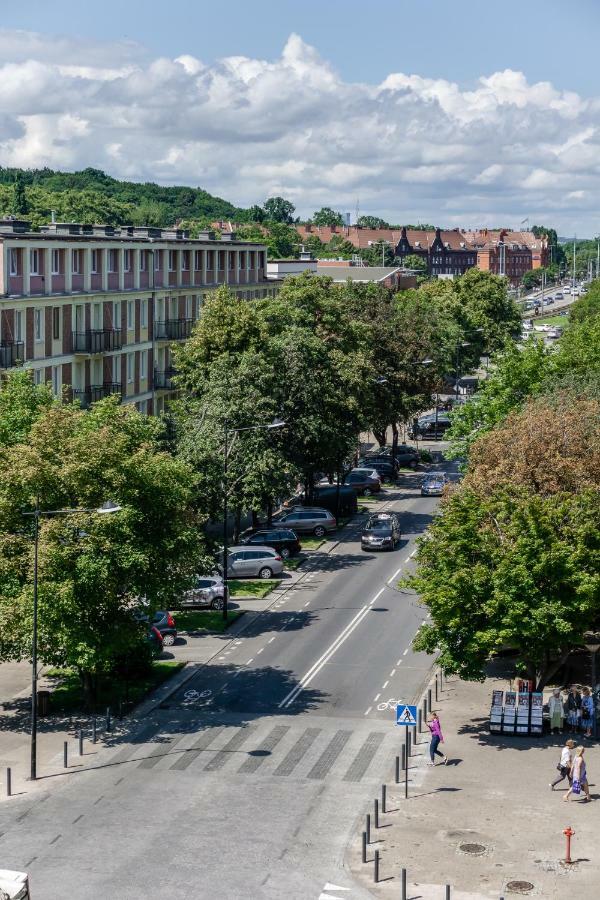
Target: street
pixel 250 780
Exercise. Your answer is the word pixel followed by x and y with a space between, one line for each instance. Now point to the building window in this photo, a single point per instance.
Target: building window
pixel 188 307
pixel 144 313
pixel 14 262
pixel 94 262
pixel 142 260
pixel 34 262
pixel 116 369
pixel 116 316
pixel 56 380
pixel 143 407
pixel 56 323
pixel 130 367
pixel 157 260
pixel 197 260
pixel 130 315
pixel 56 262
pixel 38 324
pixel 143 364
pixel 112 260
pixel 209 259
pixel 185 260
pixel 171 260
pixel 18 325
pixel 38 376
pixel 127 260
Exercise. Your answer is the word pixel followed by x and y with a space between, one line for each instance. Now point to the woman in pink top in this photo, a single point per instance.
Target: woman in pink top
pixel 436 738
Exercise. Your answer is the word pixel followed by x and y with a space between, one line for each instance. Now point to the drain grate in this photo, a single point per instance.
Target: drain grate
pixel 519 887
pixel 473 849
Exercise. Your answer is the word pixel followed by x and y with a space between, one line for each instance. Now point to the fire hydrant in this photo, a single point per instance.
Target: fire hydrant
pixel 568 832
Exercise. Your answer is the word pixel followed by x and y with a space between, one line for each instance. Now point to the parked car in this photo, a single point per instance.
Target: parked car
pixel 155 640
pixel 374 462
pixel 385 470
pixel 284 540
pixel 363 481
pixel 527 324
pixel 381 532
pixel 309 520
pixel 428 429
pixel 555 332
pixel 343 501
pixel 163 622
pixel 258 562
pixel 558 295
pixel 14 885
pixel 433 485
pixel 207 593
pixel 404 456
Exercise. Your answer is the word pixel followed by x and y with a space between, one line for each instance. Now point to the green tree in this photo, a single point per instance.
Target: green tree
pixel 412 261
pixel 483 302
pixel 378 254
pixel 587 306
pixel 372 222
pixel 256 214
pixel 283 241
pixel 279 210
pixel 20 207
pixel 327 217
pixel 21 403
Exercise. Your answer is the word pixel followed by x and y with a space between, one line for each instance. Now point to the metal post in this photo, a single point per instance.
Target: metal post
pixel 419 721
pixel 376 867
pixel 34 710
pixel 375 813
pixel 225 535
pixel 94 734
pixel 383 797
pixel 364 846
pixel 397 772
pixel 406 771
pixel 594 723
pixel 414 736
pixel 368 828
pixel 66 755
pixel 408 743
pixel 403 882
pixel 8 782
pixel 447 892
pixel 436 689
pixel 108 718
pixel 80 742
pixel 429 699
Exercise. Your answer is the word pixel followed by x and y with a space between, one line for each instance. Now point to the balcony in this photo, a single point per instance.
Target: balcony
pixel 163 380
pixel 96 341
pixel 11 353
pixel 94 392
pixel 173 329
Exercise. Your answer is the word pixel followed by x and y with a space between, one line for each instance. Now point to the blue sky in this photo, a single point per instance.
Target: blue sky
pixel 453 113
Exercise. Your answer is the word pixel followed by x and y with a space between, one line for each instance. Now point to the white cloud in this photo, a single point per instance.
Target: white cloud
pixel 246 128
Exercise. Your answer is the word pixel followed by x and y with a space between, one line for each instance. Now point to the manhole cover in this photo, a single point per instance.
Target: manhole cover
pixel 473 849
pixel 519 887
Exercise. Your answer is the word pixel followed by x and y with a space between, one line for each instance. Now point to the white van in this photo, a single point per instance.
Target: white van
pixel 14 885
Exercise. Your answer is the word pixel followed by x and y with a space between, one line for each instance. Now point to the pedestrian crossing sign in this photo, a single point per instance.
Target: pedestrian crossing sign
pixel 406 715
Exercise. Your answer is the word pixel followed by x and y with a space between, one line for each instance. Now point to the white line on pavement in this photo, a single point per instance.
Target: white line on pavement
pixel 376 698
pixel 395 575
pixel 270 641
pixel 413 553
pixel 368 711
pixel 250 660
pixel 399 661
pixel 378 594
pixel 383 686
pixel 392 673
pixel 405 652
pixel 260 651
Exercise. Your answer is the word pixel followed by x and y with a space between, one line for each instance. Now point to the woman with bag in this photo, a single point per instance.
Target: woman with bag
pixel 436 738
pixel 564 766
pixel 579 776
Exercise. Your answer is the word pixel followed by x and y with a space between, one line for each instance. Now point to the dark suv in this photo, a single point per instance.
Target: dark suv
pixel 381 532
pixel 404 456
pixel 284 540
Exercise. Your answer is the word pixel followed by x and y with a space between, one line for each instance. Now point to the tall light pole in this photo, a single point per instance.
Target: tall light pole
pixel 276 423
pixel 36 514
pixel 592 643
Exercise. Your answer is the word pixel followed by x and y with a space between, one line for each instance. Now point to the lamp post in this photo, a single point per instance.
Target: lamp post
pixel 276 423
pixel 592 643
pixel 36 514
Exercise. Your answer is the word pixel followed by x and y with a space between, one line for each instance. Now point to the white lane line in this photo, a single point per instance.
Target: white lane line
pixel 392 673
pixel 250 660
pixel 406 560
pixel 405 652
pixel 316 667
pixel 413 553
pixel 260 651
pixel 270 641
pixel 378 594
pixel 306 604
pixel 395 575
pixel 376 698
pixel 383 686
pixel 368 711
pixel 399 661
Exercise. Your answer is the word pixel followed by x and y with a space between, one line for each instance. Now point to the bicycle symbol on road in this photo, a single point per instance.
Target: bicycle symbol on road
pixel 193 696
pixel 388 704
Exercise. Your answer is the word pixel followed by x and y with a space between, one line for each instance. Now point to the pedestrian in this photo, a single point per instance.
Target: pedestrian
pixel 573 708
pixel 564 766
pixel 587 711
pixel 556 708
pixel 579 778
pixel 436 738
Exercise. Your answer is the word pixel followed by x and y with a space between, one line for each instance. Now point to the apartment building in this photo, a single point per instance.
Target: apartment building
pixel 97 309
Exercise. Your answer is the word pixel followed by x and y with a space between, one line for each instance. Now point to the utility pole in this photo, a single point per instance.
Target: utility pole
pixel 574 256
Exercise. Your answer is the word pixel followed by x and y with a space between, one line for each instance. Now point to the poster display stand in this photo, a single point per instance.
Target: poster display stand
pixel 537 706
pixel 523 707
pixel 508 720
pixel 496 711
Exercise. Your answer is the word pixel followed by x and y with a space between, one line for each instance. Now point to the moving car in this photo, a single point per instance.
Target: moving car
pixel 309 520
pixel 433 485
pixel 255 562
pixel 365 481
pixel 207 593
pixel 558 295
pixel 284 540
pixel 381 532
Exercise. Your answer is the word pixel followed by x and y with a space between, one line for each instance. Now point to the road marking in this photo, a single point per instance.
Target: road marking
pixel 413 553
pixel 395 575
pixel 378 594
pixel 405 652
pixel 376 698
pixel 306 604
pixel 383 686
pixel 399 661
pixel 260 651
pixel 407 560
pixel 392 673
pixel 270 641
pixel 368 711
pixel 337 643
pixel 250 660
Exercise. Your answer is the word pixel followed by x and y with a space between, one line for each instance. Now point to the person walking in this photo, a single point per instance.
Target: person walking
pixel 573 708
pixel 556 708
pixel 587 711
pixel 436 738
pixel 564 766
pixel 579 779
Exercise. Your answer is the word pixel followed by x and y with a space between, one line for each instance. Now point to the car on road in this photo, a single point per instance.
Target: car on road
pixel 404 456
pixel 207 592
pixel 527 324
pixel 548 301
pixel 558 295
pixel 309 520
pixel 253 562
pixel 555 332
pixel 364 481
pixel 284 540
pixel 543 327
pixel 427 428
pixel 433 485
pixel 381 532
pixel 14 885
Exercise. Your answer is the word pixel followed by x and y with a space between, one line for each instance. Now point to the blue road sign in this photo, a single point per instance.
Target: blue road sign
pixel 406 715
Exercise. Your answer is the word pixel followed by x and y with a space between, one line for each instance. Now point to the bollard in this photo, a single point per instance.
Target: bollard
pixel 368 830
pixel 403 754
pixel 94 735
pixel 8 782
pixel 447 892
pixel 403 882
pixel 376 867
pixel 414 735
pixel 364 846
pixel 419 721
pixel 397 769
pixel 408 743
pixel 568 833
pixel 383 797
pixel 376 813
pixel 80 742
pixel 65 755
pixel 406 771
pixel 436 688
pixel 441 679
pixel 108 718
pixel 429 699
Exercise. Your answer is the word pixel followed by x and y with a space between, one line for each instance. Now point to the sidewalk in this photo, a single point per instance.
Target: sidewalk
pixel 493 794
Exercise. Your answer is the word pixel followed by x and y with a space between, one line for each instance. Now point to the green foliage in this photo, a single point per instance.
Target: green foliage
pixel 20 206
pixel 327 216
pixel 21 403
pixel 372 222
pixel 412 261
pixel 283 241
pixel 279 210
pixel 378 254
pixel 587 306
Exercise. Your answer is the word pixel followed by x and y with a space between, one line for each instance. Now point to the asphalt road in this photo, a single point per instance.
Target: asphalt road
pixel 250 781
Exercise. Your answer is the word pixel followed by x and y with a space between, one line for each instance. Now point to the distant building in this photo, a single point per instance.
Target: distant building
pixel 391 277
pixel 444 252
pixel 281 268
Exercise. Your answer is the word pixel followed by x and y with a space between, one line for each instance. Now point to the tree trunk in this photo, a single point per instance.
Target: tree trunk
pixel 89 685
pixel 394 440
pixel 270 512
pixel 236 525
pixel 380 436
pixel 254 519
pixel 550 669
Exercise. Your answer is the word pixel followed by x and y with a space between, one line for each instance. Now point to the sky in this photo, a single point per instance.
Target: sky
pixel 451 114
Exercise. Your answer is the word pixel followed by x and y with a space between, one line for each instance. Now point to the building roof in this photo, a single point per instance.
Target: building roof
pixel 360 273
pixel 489 238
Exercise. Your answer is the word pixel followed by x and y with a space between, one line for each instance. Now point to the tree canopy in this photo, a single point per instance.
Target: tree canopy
pixel 327 216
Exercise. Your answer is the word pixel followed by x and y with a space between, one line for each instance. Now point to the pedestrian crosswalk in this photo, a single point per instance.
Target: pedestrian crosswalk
pixel 262 748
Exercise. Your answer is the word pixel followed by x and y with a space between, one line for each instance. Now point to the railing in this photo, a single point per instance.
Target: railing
pixel 163 380
pixel 94 392
pixel 11 353
pixel 173 329
pixel 96 341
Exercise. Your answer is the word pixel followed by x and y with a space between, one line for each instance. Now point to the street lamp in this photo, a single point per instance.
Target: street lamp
pixel 270 426
pixel 36 514
pixel 592 643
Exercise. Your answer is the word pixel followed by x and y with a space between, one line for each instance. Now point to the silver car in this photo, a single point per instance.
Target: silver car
pixel 309 520
pixel 253 562
pixel 433 486
pixel 208 592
